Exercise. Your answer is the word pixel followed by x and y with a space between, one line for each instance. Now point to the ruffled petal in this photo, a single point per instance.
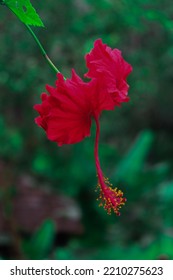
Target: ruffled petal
pixel 65 114
pixel 110 69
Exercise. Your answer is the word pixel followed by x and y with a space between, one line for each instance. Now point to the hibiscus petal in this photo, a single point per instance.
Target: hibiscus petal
pixel 65 113
pixel 110 69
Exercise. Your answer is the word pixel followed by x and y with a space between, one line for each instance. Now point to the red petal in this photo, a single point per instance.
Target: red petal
pixel 110 69
pixel 65 114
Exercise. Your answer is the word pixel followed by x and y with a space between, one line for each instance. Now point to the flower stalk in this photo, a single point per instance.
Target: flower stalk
pixel 109 198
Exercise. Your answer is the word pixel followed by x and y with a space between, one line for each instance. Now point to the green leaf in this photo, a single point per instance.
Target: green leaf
pixel 41 242
pixel 63 254
pixel 24 10
pixel 166 192
pixel 166 246
pixel 133 162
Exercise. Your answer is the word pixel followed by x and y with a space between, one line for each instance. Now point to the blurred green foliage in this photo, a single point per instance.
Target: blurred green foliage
pixel 40 243
pixel 136 148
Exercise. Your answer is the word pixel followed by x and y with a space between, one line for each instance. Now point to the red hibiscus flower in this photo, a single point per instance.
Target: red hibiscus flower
pixel 66 114
pixel 110 69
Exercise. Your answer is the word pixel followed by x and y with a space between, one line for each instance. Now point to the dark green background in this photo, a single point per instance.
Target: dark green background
pixel 136 149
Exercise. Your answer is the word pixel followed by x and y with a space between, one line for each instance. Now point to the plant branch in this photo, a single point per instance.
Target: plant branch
pixel 37 41
pixel 42 49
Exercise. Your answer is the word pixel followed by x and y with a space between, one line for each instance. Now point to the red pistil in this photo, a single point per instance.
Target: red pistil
pixel 110 199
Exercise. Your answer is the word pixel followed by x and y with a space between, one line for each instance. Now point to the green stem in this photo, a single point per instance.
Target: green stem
pixel 42 49
pixel 37 41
